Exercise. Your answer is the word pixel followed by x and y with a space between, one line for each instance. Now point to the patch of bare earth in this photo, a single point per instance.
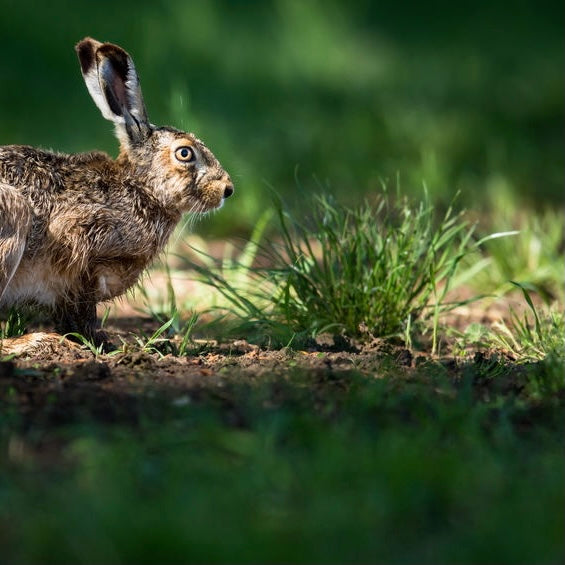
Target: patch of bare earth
pixel 51 380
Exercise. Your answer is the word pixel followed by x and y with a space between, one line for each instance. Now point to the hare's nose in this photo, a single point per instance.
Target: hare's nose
pixel 228 190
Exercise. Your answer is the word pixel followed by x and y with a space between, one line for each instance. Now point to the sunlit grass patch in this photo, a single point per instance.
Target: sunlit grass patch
pixel 534 336
pixel 534 255
pixel 370 269
pixel 381 269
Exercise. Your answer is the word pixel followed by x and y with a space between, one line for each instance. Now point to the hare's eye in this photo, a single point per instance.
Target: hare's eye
pixel 184 154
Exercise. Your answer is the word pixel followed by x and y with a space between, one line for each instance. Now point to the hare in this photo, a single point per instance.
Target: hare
pixel 76 230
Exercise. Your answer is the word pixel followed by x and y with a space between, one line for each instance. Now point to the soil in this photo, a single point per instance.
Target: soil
pixel 54 381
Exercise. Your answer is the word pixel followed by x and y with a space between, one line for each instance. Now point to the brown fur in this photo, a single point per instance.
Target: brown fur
pixel 79 229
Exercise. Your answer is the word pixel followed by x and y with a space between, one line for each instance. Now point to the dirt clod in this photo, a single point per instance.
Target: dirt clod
pixel 6 369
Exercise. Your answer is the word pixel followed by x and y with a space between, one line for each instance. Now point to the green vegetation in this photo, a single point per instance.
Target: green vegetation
pixel 534 258
pixel 350 94
pixel 527 340
pixel 308 468
pixel 374 270
pixel 374 267
pixel 14 323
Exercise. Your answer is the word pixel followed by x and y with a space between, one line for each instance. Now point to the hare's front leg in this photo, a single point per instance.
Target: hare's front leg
pixel 77 315
pixel 15 221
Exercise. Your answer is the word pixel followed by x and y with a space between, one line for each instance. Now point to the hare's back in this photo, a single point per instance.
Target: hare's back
pixel 26 167
pixel 39 173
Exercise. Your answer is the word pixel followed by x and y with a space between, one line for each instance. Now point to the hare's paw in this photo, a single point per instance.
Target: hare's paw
pixel 97 341
pixel 106 346
pixel 78 322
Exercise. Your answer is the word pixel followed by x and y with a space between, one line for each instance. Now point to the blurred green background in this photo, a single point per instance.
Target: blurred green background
pixel 302 96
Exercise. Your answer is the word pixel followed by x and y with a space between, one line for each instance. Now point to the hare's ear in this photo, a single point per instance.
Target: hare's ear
pixel 111 79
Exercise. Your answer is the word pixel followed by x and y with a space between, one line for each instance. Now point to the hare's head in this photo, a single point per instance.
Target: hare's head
pixel 181 170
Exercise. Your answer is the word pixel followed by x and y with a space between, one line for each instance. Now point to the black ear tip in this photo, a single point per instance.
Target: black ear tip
pixel 86 50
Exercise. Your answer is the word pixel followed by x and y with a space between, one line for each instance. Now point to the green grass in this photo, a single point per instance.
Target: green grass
pixel 534 256
pixel 13 322
pixel 310 468
pixel 350 92
pixel 366 270
pixel 174 321
pixel 536 339
pixel 382 269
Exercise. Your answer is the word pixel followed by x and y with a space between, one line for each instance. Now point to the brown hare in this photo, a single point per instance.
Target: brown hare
pixel 79 229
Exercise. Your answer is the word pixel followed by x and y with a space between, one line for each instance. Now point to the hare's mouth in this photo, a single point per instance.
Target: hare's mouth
pixel 214 193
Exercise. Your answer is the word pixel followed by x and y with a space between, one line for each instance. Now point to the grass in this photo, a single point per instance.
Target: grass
pixel 542 338
pixel 161 342
pixel 312 468
pixel 367 270
pixel 14 322
pixel 534 256
pixel 171 317
pixel 382 269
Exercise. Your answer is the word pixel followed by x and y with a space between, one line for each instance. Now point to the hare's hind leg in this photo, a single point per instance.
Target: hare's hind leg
pixel 15 221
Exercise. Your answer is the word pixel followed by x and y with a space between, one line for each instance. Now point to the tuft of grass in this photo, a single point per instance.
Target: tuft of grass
pixel 372 269
pixel 169 337
pixel 15 323
pixel 532 340
pixel 174 324
pixel 534 256
pixel 89 344
pixel 154 342
pixel 380 269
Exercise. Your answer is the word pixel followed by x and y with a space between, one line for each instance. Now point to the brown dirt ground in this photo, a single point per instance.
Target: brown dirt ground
pixel 56 380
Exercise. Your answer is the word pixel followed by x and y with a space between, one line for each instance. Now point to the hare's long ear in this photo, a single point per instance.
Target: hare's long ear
pixel 111 79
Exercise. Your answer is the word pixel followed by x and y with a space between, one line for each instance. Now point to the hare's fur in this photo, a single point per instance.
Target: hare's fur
pixel 79 229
